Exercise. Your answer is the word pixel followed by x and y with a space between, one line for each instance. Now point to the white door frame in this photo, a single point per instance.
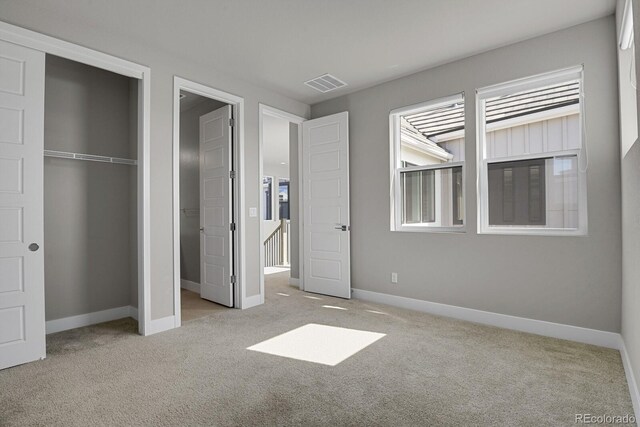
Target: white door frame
pixel 50 45
pixel 237 105
pixel 292 118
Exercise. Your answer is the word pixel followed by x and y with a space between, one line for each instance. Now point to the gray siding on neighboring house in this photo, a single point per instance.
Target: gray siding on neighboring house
pixel 569 280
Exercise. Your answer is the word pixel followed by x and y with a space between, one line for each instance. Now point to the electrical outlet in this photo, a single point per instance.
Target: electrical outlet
pixel 394 277
pixel 253 212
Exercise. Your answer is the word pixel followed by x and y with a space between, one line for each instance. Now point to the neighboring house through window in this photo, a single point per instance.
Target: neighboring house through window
pixel 532 161
pixel 427 143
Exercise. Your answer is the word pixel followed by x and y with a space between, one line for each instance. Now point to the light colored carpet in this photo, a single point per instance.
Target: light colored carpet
pixel 427 370
pixel 194 307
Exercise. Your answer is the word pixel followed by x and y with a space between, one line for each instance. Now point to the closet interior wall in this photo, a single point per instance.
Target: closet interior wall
pixel 90 208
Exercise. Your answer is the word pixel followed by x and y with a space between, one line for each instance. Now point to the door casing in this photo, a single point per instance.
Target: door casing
pixel 263 110
pixel 237 106
pixel 50 45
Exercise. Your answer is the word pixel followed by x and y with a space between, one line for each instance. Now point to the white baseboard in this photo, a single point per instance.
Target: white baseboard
pixel 161 325
pixel 72 322
pixel 190 286
pixel 631 379
pixel 539 327
pixel 252 301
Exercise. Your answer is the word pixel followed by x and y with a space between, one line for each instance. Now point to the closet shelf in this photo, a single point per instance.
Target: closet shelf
pixel 190 211
pixel 89 157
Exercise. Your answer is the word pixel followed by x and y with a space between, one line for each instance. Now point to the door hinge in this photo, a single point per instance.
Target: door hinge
pixel 233 279
pixel 232 174
pixel 232 226
pixel 232 122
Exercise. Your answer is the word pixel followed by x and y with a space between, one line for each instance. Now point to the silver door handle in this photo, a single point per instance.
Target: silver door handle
pixel 342 227
pixel 34 247
pixel 201 229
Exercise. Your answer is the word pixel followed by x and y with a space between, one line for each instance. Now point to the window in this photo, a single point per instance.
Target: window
pixel 427 166
pixel 283 198
pixel 530 145
pixel 267 198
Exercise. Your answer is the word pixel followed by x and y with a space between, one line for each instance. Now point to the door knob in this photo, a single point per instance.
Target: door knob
pixel 342 227
pixel 201 228
pixel 34 247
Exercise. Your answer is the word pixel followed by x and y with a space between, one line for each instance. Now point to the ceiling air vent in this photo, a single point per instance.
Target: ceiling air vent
pixel 325 83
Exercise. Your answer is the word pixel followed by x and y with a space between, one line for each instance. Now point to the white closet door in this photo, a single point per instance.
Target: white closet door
pixel 326 228
pixel 22 326
pixel 215 207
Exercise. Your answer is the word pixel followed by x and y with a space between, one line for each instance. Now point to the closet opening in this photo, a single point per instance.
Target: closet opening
pixel 207 228
pixel 90 202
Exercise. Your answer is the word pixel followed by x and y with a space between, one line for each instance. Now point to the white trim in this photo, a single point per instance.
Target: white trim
pixel 162 324
pixel 300 211
pixel 531 82
pixel 433 104
pixel 395 168
pixel 482 189
pixel 74 52
pixel 237 104
pixel 539 327
pixel 631 379
pixel 144 202
pixel 190 286
pixel 291 118
pixel 625 39
pixel 81 320
pixel 253 301
pixel 436 166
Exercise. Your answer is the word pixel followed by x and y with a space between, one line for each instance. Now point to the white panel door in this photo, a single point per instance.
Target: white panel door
pixel 22 327
pixel 215 207
pixel 325 180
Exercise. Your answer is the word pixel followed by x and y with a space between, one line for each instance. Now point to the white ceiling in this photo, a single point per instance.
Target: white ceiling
pixel 276 144
pixel 278 44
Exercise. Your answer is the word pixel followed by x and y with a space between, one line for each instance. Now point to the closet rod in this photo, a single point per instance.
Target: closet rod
pixel 89 157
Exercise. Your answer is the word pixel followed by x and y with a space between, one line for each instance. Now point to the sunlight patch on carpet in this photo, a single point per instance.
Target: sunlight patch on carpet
pixel 327 345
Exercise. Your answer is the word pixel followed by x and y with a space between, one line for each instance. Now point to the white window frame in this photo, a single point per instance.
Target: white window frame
pixel 274 217
pixel 528 83
pixel 396 170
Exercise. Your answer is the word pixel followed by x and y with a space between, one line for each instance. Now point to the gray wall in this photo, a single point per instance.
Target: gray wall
pixel 631 232
pixel 87 207
pixel 294 201
pixel 190 187
pixel 30 14
pixel 569 280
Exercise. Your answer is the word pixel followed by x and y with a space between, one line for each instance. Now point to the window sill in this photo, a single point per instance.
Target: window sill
pixel 429 229
pixel 519 231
